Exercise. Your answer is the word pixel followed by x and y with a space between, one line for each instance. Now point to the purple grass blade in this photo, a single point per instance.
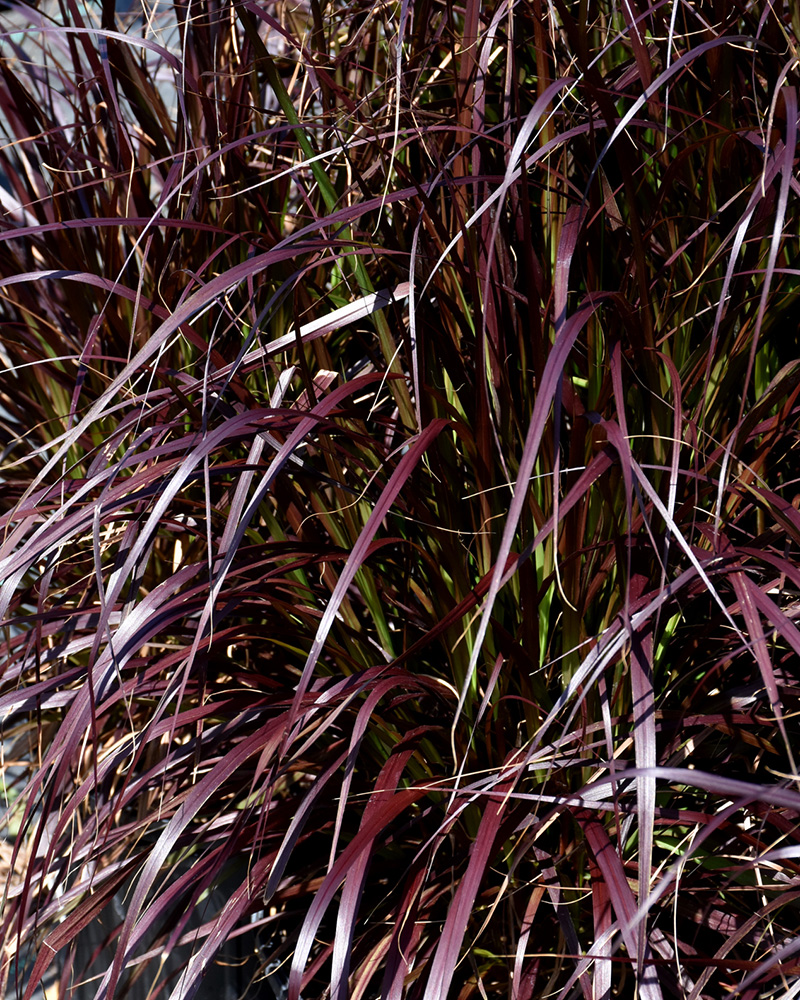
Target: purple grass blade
pixel 565 339
pixel 323 898
pixel 786 167
pixel 521 987
pixel 73 922
pixel 398 480
pixel 346 922
pixel 448 950
pixel 161 850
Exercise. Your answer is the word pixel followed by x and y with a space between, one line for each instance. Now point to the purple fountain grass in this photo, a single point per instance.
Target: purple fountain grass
pixel 400 520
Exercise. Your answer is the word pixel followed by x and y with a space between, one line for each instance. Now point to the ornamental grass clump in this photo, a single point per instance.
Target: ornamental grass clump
pixel 399 531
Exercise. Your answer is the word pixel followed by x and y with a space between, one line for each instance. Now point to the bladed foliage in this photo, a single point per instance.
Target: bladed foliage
pixel 400 517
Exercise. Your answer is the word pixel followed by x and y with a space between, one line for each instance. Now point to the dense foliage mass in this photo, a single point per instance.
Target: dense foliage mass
pixel 399 521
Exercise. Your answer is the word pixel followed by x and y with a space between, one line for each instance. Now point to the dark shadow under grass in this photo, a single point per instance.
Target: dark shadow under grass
pixel 400 508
